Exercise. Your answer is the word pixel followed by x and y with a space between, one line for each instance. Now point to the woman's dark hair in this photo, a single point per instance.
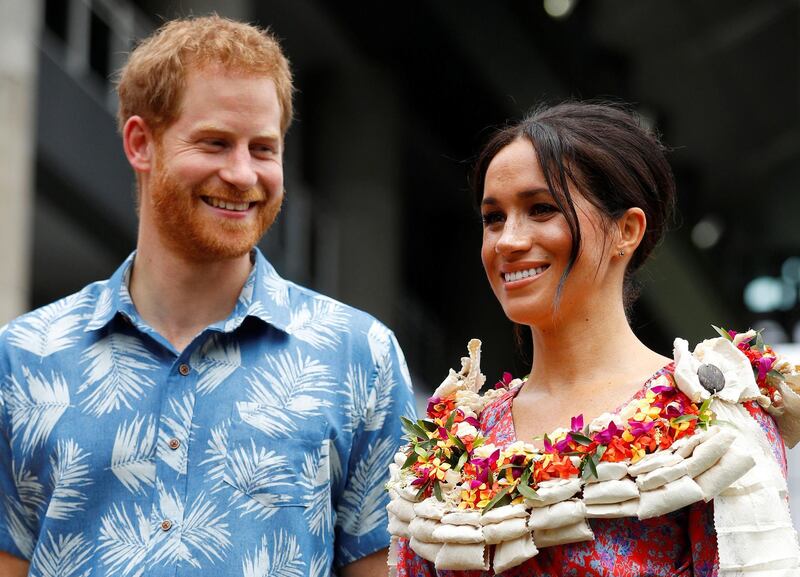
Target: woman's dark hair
pixel 610 157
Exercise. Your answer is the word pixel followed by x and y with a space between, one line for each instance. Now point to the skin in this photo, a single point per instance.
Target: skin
pixel 193 259
pixel 11 566
pixel 586 359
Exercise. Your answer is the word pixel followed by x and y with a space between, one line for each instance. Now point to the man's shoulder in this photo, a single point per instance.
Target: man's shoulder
pixel 70 314
pixel 312 306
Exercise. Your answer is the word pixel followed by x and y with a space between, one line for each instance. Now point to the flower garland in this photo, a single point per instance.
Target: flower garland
pixel 447 457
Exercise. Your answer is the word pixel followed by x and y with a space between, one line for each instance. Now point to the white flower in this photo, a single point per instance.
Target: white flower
pixel 601 423
pixel 484 451
pixel 741 337
pixel 740 384
pixel 464 429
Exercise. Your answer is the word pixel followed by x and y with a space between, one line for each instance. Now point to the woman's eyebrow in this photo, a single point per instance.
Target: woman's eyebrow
pixel 522 195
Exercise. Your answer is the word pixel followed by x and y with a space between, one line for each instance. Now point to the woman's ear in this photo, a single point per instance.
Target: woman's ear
pixel 632 226
pixel 139 144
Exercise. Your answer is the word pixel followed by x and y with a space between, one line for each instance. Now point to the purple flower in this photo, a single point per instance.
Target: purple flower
pixel 638 428
pixel 432 401
pixel 563 445
pixel 576 424
pixel 604 437
pixel 764 366
pixel 662 388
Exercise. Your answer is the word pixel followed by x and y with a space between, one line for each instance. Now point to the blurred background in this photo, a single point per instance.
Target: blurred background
pixel 393 102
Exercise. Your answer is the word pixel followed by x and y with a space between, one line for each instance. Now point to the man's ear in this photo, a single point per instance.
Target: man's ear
pixel 139 144
pixel 632 226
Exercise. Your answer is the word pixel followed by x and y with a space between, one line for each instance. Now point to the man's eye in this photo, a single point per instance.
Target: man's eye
pixel 214 143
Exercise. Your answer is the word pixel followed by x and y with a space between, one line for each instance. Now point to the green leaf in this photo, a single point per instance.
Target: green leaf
pixel 489 478
pixel 723 332
pixel 776 375
pixel 600 451
pixel 421 452
pixel 421 491
pixel 581 439
pixel 427 425
pixel 414 430
pixel 589 467
pixel 461 460
pixel 456 441
pixel 437 491
pixel 495 500
pixel 525 477
pixel 705 405
pixel 412 458
pixel 527 492
pixel 684 418
pixel 450 420
pixel 760 341
pixel 479 441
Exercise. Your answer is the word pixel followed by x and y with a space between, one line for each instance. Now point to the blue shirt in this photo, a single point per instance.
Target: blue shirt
pixel 261 449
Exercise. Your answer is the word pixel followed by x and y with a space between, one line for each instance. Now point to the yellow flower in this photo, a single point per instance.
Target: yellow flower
pixel 638 453
pixel 439 469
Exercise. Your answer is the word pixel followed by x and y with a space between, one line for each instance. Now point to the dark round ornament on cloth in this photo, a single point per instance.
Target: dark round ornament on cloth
pixel 711 378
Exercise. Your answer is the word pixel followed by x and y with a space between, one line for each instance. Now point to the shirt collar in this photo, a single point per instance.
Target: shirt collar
pixel 265 295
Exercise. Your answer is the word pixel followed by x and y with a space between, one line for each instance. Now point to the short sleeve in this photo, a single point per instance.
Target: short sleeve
pixel 361 526
pixel 16 535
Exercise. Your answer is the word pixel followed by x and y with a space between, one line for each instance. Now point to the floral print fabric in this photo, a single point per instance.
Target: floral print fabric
pixel 681 544
pixel 261 449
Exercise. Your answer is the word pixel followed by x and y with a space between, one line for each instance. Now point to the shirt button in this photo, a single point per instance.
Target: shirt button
pixel 166 525
pixel 184 369
pixel 174 444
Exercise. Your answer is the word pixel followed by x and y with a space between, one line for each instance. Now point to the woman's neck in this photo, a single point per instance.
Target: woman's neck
pixel 593 348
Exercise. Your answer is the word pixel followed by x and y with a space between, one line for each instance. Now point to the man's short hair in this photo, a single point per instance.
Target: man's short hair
pixel 152 83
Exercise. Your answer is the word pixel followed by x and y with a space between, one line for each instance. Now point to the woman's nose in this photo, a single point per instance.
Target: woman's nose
pixel 514 238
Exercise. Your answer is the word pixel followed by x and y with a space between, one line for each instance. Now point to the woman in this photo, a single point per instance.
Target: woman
pixel 574 198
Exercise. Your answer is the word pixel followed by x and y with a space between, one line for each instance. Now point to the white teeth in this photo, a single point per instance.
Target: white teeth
pixel 521 274
pixel 237 206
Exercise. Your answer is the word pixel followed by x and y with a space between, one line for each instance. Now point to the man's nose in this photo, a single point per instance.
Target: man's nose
pixel 238 170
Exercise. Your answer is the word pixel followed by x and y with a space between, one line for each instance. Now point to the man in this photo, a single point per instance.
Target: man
pixel 196 414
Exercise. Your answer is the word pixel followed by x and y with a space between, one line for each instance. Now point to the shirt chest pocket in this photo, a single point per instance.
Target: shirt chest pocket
pixel 270 467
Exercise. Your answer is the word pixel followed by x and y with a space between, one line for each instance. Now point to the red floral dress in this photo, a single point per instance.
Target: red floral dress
pixel 681 544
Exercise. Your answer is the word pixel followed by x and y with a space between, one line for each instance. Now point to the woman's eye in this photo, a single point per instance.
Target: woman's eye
pixel 541 209
pixel 491 218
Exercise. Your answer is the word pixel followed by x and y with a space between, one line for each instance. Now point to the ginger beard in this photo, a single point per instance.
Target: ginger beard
pixel 188 226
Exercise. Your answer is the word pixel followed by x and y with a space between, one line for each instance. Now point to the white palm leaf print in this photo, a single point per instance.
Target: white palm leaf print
pixel 215 362
pixel 29 490
pixel 18 527
pixel 316 481
pixel 362 506
pixel 251 472
pixel 216 451
pixel 357 393
pixel 69 472
pixel 62 557
pixel 176 423
pixel 246 294
pixel 285 393
pixel 52 328
pixel 123 541
pixel 37 410
pixel 322 326
pixel 277 289
pixel 115 373
pixel 284 559
pixel 318 566
pixel 104 302
pixel 132 458
pixel 379 339
pixel 203 531
pixel 381 397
